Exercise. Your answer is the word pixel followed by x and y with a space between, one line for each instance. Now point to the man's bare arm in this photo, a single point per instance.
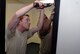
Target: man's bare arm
pixel 40 22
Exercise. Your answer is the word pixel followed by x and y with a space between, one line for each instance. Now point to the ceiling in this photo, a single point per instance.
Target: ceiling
pixel 23 1
pixel 20 1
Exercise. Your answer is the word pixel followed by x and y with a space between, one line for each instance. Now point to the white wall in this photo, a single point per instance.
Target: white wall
pixel 68 41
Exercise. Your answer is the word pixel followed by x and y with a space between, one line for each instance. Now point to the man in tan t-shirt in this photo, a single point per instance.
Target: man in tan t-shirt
pixel 18 31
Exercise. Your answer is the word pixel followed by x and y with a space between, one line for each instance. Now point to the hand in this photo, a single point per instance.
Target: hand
pixel 38 4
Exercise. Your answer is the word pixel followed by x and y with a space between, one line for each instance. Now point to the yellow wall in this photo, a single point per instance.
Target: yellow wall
pixel 11 8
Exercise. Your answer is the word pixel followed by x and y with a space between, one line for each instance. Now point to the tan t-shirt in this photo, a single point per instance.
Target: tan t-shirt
pixel 16 42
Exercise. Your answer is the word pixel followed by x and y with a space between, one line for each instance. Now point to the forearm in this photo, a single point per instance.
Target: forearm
pixel 24 10
pixel 41 17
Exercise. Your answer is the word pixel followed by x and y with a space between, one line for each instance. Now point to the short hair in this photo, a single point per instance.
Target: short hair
pixel 21 17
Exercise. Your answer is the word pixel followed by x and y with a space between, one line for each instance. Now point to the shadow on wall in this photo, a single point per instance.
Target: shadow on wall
pixel 33 48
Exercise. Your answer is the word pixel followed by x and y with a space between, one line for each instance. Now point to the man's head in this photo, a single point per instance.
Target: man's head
pixel 25 21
